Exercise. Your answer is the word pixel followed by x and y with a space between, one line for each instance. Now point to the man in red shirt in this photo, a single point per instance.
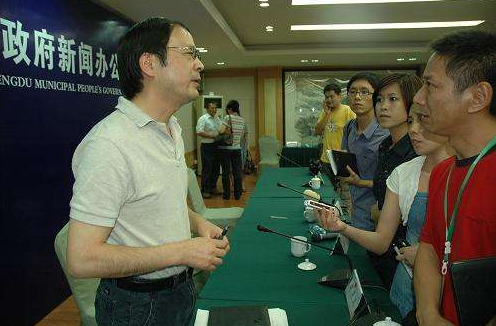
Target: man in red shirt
pixel 458 101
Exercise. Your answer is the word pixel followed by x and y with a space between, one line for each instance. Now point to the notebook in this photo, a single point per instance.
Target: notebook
pixel 474 289
pixel 239 316
pixel 339 160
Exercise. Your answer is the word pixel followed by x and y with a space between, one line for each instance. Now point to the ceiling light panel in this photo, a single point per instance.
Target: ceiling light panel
pixel 341 27
pixel 349 2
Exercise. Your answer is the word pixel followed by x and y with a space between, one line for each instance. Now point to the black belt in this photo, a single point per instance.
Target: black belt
pixel 152 285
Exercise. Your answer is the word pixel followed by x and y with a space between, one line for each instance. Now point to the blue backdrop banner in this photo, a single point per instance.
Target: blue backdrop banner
pixel 58 77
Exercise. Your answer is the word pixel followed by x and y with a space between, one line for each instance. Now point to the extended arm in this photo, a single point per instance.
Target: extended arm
pixel 378 241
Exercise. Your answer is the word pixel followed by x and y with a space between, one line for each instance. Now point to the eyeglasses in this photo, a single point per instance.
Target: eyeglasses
pixel 362 92
pixel 190 50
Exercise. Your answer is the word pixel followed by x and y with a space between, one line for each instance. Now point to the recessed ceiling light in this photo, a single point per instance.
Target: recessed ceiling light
pixel 315 60
pixel 263 0
pixel 269 28
pixel 304 60
pixel 346 2
pixel 340 27
pixel 400 59
pixel 202 50
pixel 412 59
pixel 264 4
pixel 221 63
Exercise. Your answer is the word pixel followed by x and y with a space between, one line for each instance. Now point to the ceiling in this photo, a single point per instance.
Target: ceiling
pixel 233 31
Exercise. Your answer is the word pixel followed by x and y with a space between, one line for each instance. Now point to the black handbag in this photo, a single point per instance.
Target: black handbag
pixel 225 139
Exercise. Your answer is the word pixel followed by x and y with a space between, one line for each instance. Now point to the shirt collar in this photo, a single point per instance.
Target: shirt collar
pixel 401 148
pixel 134 113
pixel 371 128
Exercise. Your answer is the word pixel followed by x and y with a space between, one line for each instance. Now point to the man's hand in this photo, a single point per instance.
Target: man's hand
pixel 209 230
pixel 329 219
pixel 326 108
pixel 408 254
pixel 353 179
pixel 203 253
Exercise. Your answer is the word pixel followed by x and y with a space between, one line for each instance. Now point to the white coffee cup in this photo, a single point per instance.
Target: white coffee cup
pixel 309 215
pixel 298 248
pixel 315 183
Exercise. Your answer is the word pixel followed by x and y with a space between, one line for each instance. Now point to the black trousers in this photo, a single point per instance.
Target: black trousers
pixel 210 166
pixel 327 169
pixel 385 264
pixel 231 158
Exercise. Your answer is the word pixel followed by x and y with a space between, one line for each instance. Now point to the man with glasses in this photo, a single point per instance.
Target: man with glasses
pixel 129 222
pixel 362 137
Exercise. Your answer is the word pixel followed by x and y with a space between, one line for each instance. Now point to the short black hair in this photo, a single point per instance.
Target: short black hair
pixel 233 105
pixel 333 86
pixel 470 59
pixel 148 36
pixel 409 85
pixel 372 78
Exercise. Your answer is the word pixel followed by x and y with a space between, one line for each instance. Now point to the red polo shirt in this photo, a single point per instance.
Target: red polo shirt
pixel 475 229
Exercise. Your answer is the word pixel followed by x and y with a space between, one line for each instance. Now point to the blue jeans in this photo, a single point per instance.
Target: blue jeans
pixel 401 294
pixel 115 306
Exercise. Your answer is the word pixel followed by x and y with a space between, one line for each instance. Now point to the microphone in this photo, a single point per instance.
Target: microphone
pixel 337 278
pixel 262 228
pixel 291 161
pixel 317 237
pixel 308 193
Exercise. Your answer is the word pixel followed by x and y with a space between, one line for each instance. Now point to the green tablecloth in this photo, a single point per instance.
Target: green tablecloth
pixel 260 265
pixel 291 177
pixel 260 269
pixel 300 155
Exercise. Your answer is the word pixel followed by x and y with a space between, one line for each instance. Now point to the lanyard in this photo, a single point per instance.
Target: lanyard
pixel 451 228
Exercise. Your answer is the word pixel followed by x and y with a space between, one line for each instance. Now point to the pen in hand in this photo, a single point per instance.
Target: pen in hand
pixel 224 232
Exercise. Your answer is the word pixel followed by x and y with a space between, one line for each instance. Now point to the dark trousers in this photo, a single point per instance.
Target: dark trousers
pixel 210 166
pixel 327 170
pixel 115 306
pixel 385 264
pixel 231 158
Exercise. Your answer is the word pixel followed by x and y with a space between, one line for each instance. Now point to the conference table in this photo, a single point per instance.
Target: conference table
pixel 266 186
pixel 260 270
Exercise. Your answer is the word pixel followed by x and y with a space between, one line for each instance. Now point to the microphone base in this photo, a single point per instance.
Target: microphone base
pixel 369 319
pixel 336 279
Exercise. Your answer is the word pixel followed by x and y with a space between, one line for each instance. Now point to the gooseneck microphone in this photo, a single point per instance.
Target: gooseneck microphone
pixel 337 278
pixel 290 161
pixel 262 228
pixel 307 193
pixel 317 237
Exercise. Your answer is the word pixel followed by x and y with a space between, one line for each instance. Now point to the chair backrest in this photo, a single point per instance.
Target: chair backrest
pixel 269 147
pixel 194 194
pixel 83 290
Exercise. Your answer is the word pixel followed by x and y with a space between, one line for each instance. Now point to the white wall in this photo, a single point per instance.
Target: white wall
pixel 241 89
pixel 185 117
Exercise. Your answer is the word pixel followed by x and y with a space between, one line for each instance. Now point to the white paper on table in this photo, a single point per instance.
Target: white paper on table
pixel 277 317
pixel 201 317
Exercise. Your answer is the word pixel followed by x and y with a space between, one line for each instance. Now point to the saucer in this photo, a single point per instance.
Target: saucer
pixel 307 265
